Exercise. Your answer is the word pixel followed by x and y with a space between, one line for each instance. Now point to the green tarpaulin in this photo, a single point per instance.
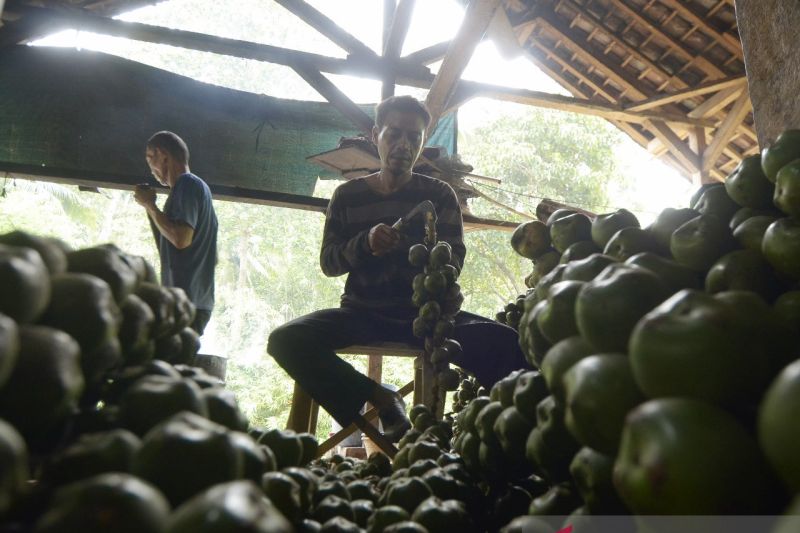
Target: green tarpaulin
pixel 84 114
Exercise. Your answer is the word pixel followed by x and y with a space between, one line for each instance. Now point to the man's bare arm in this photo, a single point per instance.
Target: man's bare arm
pixel 178 233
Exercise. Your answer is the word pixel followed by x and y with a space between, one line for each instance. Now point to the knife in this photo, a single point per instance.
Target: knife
pixel 425 206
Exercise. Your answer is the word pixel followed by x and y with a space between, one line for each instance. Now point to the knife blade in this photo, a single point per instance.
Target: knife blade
pixel 425 206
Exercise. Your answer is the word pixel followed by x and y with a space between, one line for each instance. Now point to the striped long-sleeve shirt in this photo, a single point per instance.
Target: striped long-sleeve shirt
pixel 383 283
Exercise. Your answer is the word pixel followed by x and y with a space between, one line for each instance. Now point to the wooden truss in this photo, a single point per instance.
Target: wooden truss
pixel 669 73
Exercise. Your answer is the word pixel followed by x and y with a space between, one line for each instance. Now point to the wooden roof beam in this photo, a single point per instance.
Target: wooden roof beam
pixel 653 27
pixel 717 102
pixel 632 51
pixel 360 66
pixel 401 21
pixel 727 129
pixel 468 90
pixel 388 82
pixel 554 74
pixel 477 18
pixel 618 76
pixel 336 97
pixel 429 54
pixel 726 40
pixel 599 89
pixel 679 96
pixel 320 22
pixel 682 152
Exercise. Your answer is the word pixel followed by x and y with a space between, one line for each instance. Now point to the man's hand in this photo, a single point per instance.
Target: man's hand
pixel 145 195
pixel 382 239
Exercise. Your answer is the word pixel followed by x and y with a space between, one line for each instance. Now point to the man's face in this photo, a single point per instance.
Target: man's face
pixel 399 140
pixel 157 161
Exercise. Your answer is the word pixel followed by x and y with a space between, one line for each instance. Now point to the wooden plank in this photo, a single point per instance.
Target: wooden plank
pixel 320 22
pixel 360 66
pixel 679 96
pixel 653 27
pixel 477 18
pixel 727 129
pixel 401 21
pixel 567 66
pixel 726 40
pixel 631 85
pixel 429 54
pixel 573 105
pixel 679 149
pixel 716 103
pixel 335 96
pixel 219 192
pixel 628 48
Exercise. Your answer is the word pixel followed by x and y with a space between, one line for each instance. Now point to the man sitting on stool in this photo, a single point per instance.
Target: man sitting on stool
pixel 376 306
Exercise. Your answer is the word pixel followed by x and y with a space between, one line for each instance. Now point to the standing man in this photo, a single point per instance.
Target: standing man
pixel 186 230
pixel 376 306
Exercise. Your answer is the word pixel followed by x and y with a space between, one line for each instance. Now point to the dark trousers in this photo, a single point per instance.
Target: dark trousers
pixel 305 348
pixel 201 318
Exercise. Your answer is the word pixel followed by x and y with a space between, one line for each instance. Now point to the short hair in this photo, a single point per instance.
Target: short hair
pixel 406 104
pixel 170 143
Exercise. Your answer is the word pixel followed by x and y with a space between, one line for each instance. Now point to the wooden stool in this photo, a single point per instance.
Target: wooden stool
pixel 304 410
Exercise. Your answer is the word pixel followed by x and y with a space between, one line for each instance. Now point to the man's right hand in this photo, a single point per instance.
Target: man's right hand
pixel 382 239
pixel 144 195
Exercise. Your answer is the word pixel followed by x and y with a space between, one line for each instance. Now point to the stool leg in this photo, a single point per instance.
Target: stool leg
pixel 302 412
pixel 377 437
pixel 375 368
pixel 424 379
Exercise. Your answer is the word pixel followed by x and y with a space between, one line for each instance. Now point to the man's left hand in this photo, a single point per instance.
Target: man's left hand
pixel 144 195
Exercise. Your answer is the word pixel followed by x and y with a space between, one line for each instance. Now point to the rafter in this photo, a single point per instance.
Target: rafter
pixel 627 47
pixel 336 97
pixel 618 76
pixel 717 102
pixel 370 67
pixel 468 90
pixel 728 127
pixel 653 27
pixel 599 89
pixel 388 82
pixel 676 146
pixel 401 21
pixel 478 15
pixel 725 39
pixel 429 54
pixel 679 96
pixel 320 22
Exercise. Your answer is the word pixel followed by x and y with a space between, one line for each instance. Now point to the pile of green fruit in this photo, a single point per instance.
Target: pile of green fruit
pixel 669 353
pixel 666 382
pixel 512 312
pixel 104 424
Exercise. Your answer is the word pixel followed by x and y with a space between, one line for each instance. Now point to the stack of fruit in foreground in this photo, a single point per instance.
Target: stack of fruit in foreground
pixel 666 382
pixel 669 354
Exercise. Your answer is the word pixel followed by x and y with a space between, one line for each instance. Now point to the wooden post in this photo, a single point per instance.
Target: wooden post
pixel 768 29
pixel 389 6
pixel 697 143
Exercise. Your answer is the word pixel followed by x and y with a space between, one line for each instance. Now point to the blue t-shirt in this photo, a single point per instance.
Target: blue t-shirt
pixel 191 269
